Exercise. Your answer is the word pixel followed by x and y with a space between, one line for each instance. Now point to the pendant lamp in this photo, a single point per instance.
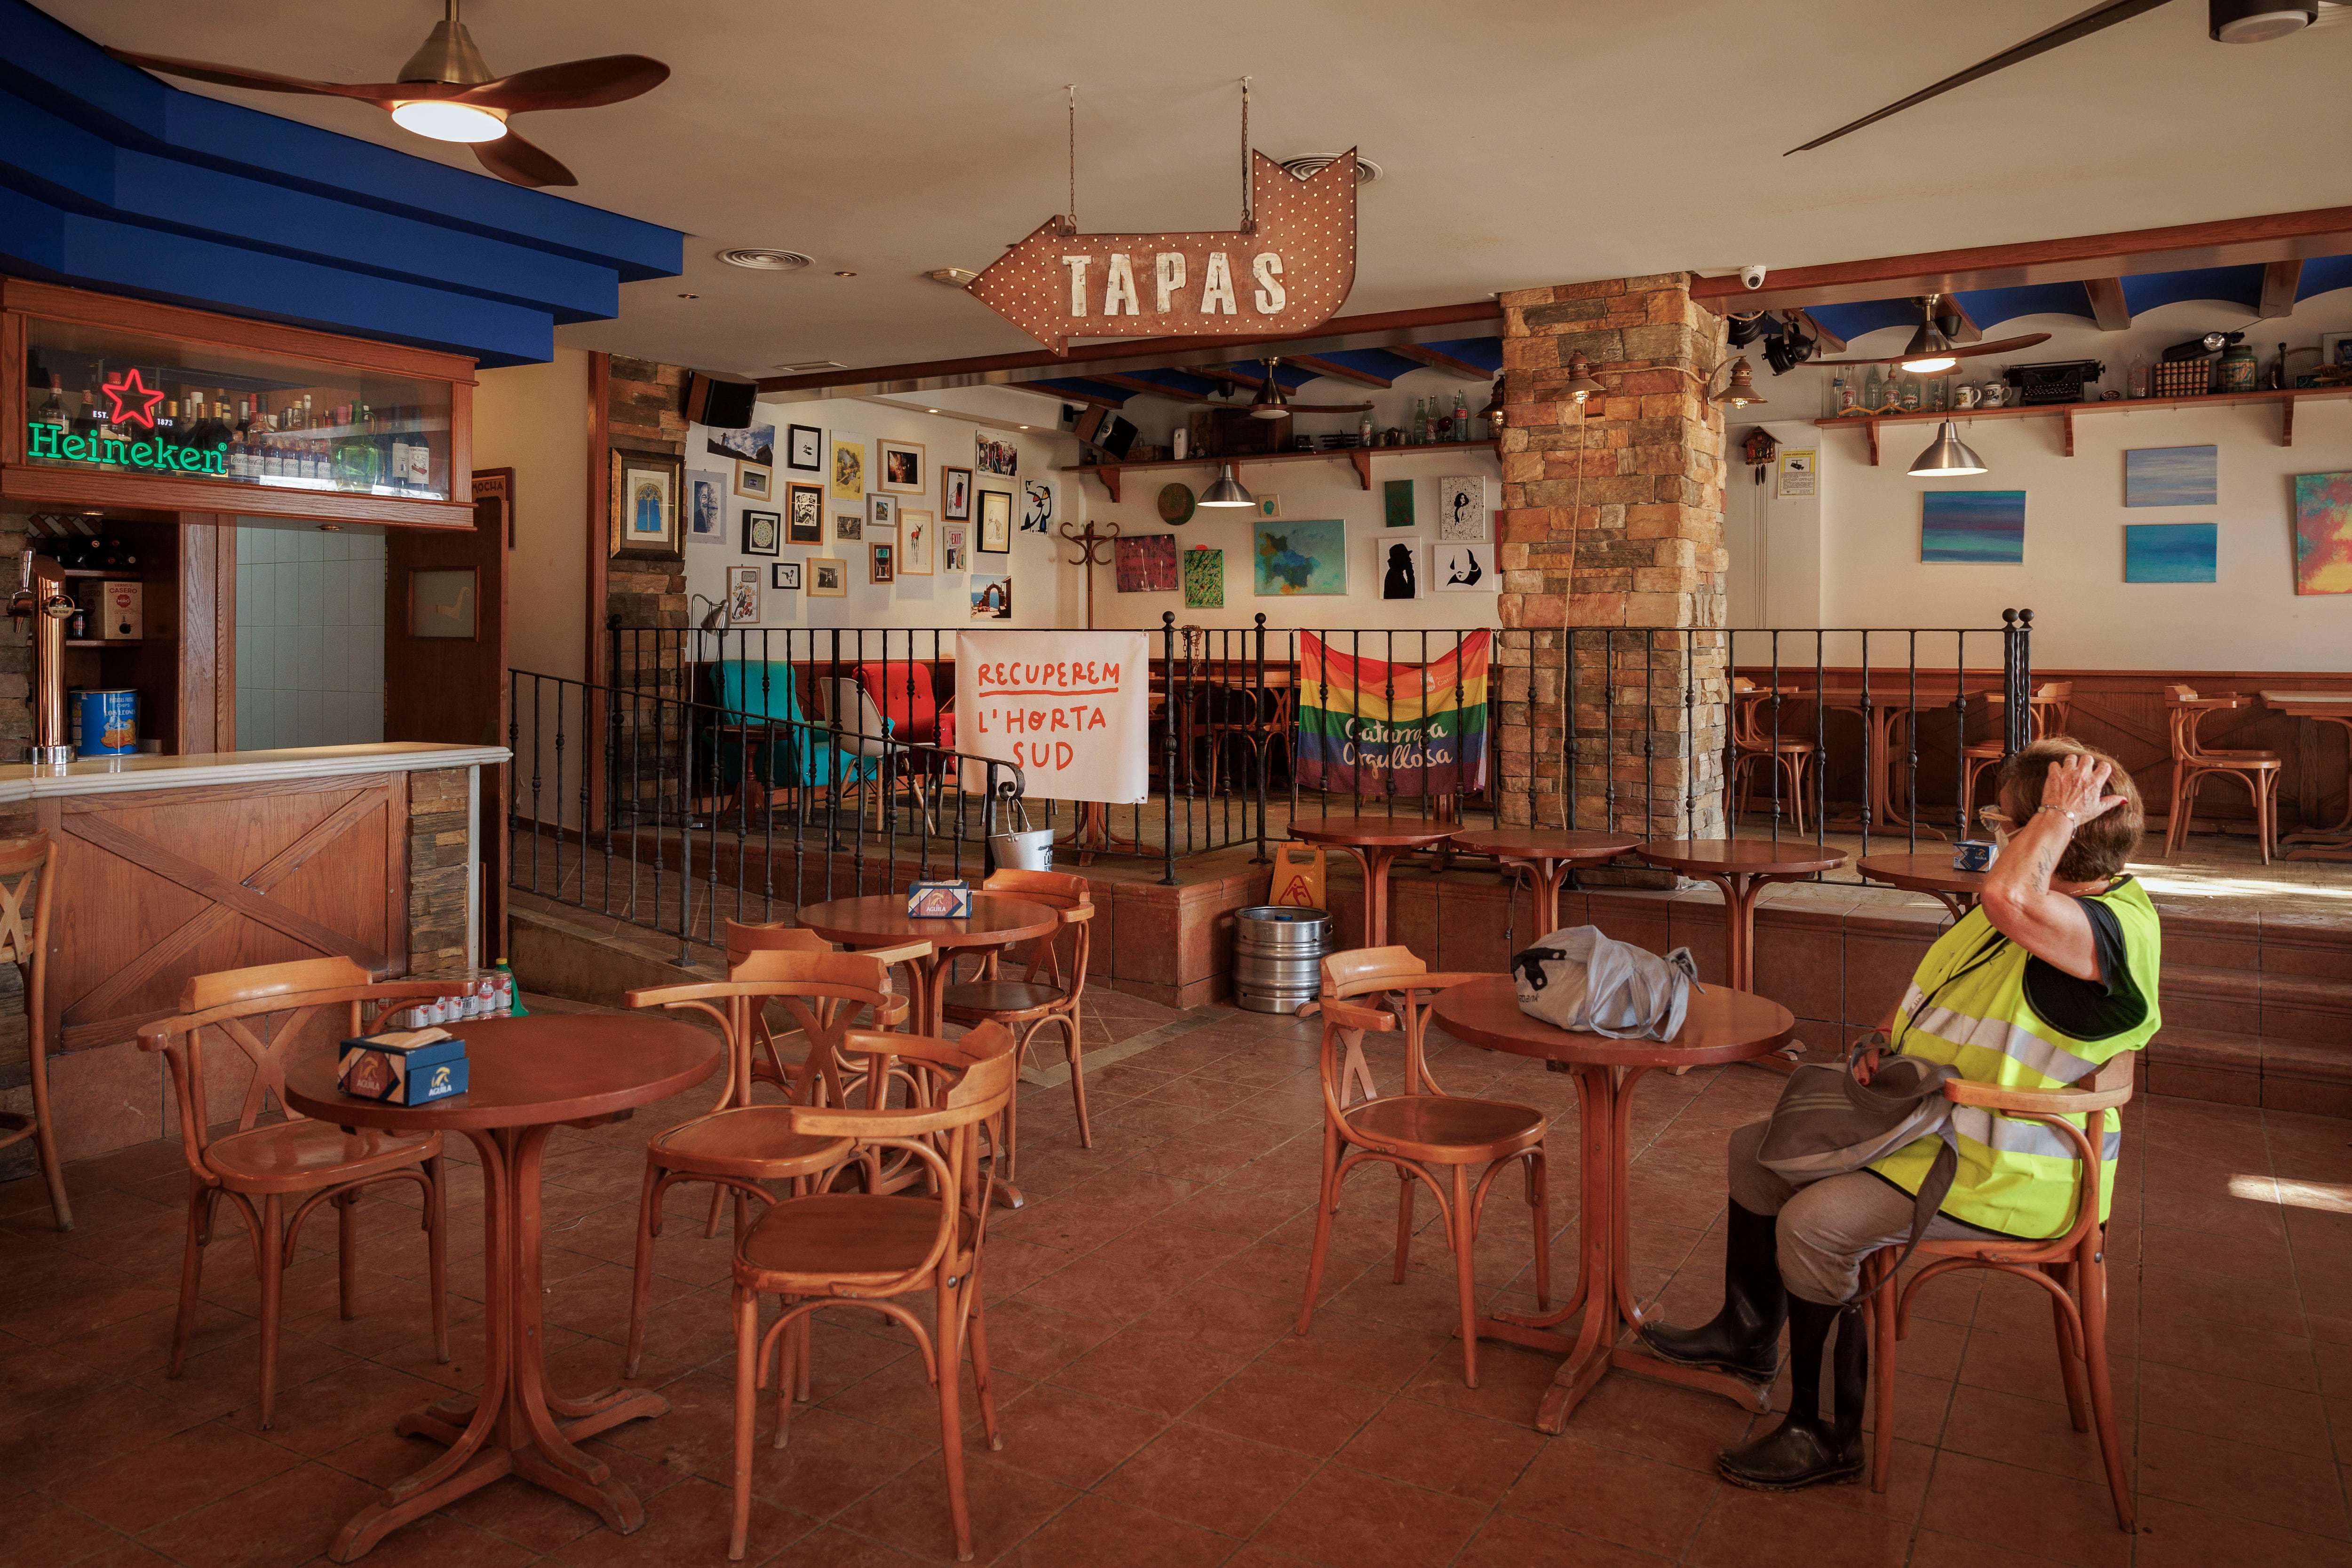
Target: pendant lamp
pixel 1948 456
pixel 1581 384
pixel 1741 392
pixel 1227 491
pixel 1271 401
pixel 1929 350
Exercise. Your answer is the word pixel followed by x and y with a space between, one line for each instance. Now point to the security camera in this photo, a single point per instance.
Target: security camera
pixel 1752 276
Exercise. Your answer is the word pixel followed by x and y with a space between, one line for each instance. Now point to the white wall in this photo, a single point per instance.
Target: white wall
pixel 2085 615
pixel 534 420
pixel 309 638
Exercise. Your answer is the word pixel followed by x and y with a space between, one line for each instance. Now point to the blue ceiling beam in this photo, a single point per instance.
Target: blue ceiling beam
pixel 1485 352
pixel 1851 321
pixel 2324 275
pixel 2231 285
pixel 1988 308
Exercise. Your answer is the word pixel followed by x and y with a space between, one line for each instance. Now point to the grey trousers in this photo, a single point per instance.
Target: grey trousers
pixel 1827 1228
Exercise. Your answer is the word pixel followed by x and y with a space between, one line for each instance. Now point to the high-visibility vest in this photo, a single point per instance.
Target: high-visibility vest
pixel 1967 1006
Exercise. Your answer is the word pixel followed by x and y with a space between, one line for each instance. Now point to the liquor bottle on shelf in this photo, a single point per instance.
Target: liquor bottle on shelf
pixel 53 412
pixel 1910 395
pixel 1420 421
pixel 1873 390
pixel 1460 417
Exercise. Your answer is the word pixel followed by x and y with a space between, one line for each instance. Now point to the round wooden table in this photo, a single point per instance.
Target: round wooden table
pixel 1720 1026
pixel 1928 873
pixel 527 1077
pixel 1741 868
pixel 1548 855
pixel 1374 841
pixel 881 920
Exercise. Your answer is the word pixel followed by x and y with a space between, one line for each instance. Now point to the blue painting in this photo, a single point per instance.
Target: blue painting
pixel 1975 527
pixel 2170 552
pixel 2170 477
pixel 1298 557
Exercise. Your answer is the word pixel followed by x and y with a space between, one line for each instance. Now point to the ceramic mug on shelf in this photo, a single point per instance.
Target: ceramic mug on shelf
pixel 1964 395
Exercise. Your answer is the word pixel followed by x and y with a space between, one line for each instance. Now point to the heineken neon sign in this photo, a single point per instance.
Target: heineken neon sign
pixel 58 443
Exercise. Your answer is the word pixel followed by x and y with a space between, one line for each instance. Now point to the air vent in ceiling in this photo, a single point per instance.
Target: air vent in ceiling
pixel 810 367
pixel 1308 167
pixel 764 260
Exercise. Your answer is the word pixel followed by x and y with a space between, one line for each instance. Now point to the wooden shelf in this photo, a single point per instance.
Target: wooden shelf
pixel 1359 456
pixel 2067 412
pixel 100 574
pixel 104 641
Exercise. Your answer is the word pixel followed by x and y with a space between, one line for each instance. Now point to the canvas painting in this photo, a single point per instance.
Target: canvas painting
pixel 1972 527
pixel 804 514
pixel 992 597
pixel 1396 503
pixel 2323 533
pixel 1146 564
pixel 955 546
pixel 1461 566
pixel 1037 506
pixel 2170 552
pixel 706 509
pixel 1204 579
pixel 1461 507
pixel 756 445
pixel 917 541
pixel 2172 477
pixel 1299 558
pixel 845 468
pixel 1397 563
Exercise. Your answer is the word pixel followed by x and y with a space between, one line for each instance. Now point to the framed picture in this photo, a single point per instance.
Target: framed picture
pixel 763 533
pixel 754 444
pixel 754 482
pixel 2335 349
pixel 1396 503
pixel 881 563
pixel 804 448
pixel 643 507
pixel 995 455
pixel 901 463
pixel 1397 566
pixel 828 578
pixel 882 511
pixel 918 544
pixel 992 597
pixel 995 523
pixel 743 596
pixel 1461 508
pixel 1037 506
pixel 1972 527
pixel 441 602
pixel 1461 566
pixel 785 574
pixel 2171 552
pixel 844 476
pixel 804 514
pixel 1204 577
pixel 1300 557
pixel 706 509
pixel 955 495
pixel 1146 563
pixel 849 527
pixel 2323 533
pixel 955 546
pixel 1269 506
pixel 2171 475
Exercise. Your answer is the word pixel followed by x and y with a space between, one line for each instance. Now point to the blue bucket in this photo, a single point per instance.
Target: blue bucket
pixel 109 723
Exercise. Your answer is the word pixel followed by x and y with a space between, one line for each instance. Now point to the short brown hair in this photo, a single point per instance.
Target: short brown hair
pixel 2101 846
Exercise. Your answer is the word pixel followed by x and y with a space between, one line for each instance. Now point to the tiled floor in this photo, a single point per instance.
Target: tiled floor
pixel 1158 1406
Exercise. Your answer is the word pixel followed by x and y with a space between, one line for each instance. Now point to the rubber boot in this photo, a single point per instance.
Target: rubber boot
pixel 1805 1450
pixel 1744 1338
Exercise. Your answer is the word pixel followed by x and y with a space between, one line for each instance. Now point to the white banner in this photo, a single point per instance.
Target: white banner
pixel 1071 708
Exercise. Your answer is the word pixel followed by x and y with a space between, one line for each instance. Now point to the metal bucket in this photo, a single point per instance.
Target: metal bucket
pixel 1025 849
pixel 1278 953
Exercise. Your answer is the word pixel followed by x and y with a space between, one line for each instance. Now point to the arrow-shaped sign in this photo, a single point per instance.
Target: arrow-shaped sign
pixel 1290 272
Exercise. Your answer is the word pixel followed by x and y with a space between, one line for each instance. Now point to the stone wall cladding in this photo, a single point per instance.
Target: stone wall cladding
pixel 439 834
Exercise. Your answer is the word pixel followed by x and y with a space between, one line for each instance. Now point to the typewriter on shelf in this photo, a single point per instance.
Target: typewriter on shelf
pixel 2058 381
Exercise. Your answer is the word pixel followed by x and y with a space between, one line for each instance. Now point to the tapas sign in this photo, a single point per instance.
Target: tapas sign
pixel 1289 271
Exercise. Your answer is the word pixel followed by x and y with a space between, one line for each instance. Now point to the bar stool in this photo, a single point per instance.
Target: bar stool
pixel 2192 764
pixel 1041 997
pixel 24 866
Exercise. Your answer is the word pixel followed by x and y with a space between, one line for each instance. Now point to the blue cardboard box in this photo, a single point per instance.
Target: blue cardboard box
pixel 411 1067
pixel 937 900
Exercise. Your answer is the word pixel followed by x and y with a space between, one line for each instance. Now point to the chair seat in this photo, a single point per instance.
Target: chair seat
pixel 1000 1000
pixel 1787 743
pixel 755 1141
pixel 1477 1129
pixel 297 1155
pixel 2234 759
pixel 852 1238
pixel 1992 751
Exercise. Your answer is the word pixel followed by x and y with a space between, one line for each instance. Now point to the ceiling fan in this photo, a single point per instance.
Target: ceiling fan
pixel 446 91
pixel 1931 348
pixel 1272 402
pixel 2226 21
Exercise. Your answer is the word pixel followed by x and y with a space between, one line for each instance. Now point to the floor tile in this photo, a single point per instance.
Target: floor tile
pixel 1212 1478
pixel 1346 1518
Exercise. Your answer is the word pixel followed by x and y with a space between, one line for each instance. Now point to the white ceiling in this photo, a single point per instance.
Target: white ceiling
pixel 1525 142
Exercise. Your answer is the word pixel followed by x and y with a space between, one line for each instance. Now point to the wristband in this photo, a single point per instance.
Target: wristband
pixel 2072 820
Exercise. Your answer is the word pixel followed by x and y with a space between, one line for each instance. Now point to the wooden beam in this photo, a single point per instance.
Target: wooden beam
pixel 1230 377
pixel 1831 343
pixel 1438 360
pixel 2274 236
pixel 1137 384
pixel 1097 400
pixel 1322 367
pixel 2107 306
pixel 2281 280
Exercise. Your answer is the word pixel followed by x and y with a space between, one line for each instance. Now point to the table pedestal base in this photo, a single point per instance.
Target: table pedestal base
pixel 1093 836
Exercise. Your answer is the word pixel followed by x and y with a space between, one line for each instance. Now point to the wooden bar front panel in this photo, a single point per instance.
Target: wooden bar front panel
pixel 154 886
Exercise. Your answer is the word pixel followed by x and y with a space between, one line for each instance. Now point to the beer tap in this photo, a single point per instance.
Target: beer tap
pixel 42 595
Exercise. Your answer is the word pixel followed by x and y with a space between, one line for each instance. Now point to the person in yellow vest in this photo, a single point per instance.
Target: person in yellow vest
pixel 2050 976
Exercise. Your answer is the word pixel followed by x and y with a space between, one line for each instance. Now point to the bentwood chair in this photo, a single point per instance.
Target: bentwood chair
pixel 1422 1135
pixel 1041 997
pixel 737 1146
pixel 1754 748
pixel 276 1172
pixel 1403 977
pixel 2072 1267
pixel 2047 712
pixel 24 942
pixel 866 1250
pixel 2192 763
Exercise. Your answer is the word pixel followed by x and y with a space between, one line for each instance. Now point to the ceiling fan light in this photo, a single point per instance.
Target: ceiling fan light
pixel 1930 364
pixel 1271 401
pixel 2257 20
pixel 1929 350
pixel 1947 457
pixel 445 121
pixel 1227 491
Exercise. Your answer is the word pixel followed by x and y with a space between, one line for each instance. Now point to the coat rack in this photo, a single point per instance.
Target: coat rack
pixel 1087 541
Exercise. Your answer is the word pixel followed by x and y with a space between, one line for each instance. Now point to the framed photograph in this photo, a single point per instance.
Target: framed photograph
pixel 995 522
pixel 828 578
pixel 1300 557
pixel 995 455
pixel 643 507
pixel 763 533
pixel 706 509
pixel 441 602
pixel 881 563
pixel 755 444
pixel 901 463
pixel 992 597
pixel 917 543
pixel 1037 506
pixel 804 514
pixel 804 448
pixel 1461 508
pixel 1461 566
pixel 755 483
pixel 743 596
pixel 849 527
pixel 882 511
pixel 844 478
pixel 785 574
pixel 955 495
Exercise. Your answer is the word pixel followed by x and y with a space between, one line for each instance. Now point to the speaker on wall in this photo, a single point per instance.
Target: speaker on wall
pixel 722 405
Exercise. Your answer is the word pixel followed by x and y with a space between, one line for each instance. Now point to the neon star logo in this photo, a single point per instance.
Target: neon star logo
pixel 128 390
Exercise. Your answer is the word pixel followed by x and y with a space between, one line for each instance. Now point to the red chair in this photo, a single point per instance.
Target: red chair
pixel 902 693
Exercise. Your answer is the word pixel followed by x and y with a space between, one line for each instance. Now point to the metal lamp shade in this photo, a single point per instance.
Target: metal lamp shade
pixel 1742 391
pixel 1948 456
pixel 1581 384
pixel 1227 491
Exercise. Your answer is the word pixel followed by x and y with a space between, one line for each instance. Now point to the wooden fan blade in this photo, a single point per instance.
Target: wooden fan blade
pixel 378 93
pixel 522 162
pixel 2080 26
pixel 574 84
pixel 2001 346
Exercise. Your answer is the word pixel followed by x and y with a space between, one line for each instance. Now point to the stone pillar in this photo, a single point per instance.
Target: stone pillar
pixel 1611 535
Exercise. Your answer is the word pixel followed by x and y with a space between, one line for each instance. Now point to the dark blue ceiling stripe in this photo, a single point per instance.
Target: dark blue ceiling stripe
pixel 1375 363
pixel 2322 274
pixel 1989 307
pixel 1864 315
pixel 2236 285
pixel 1486 352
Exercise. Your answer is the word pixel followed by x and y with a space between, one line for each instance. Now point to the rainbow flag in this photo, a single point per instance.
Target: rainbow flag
pixel 1371 728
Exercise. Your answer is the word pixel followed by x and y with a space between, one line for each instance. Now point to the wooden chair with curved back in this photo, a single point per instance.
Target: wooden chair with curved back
pixel 1401 975
pixel 1754 746
pixel 2048 711
pixel 737 1146
pixel 24 942
pixel 1420 1135
pixel 2072 1267
pixel 864 1249
pixel 2193 762
pixel 1041 997
pixel 276 1172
